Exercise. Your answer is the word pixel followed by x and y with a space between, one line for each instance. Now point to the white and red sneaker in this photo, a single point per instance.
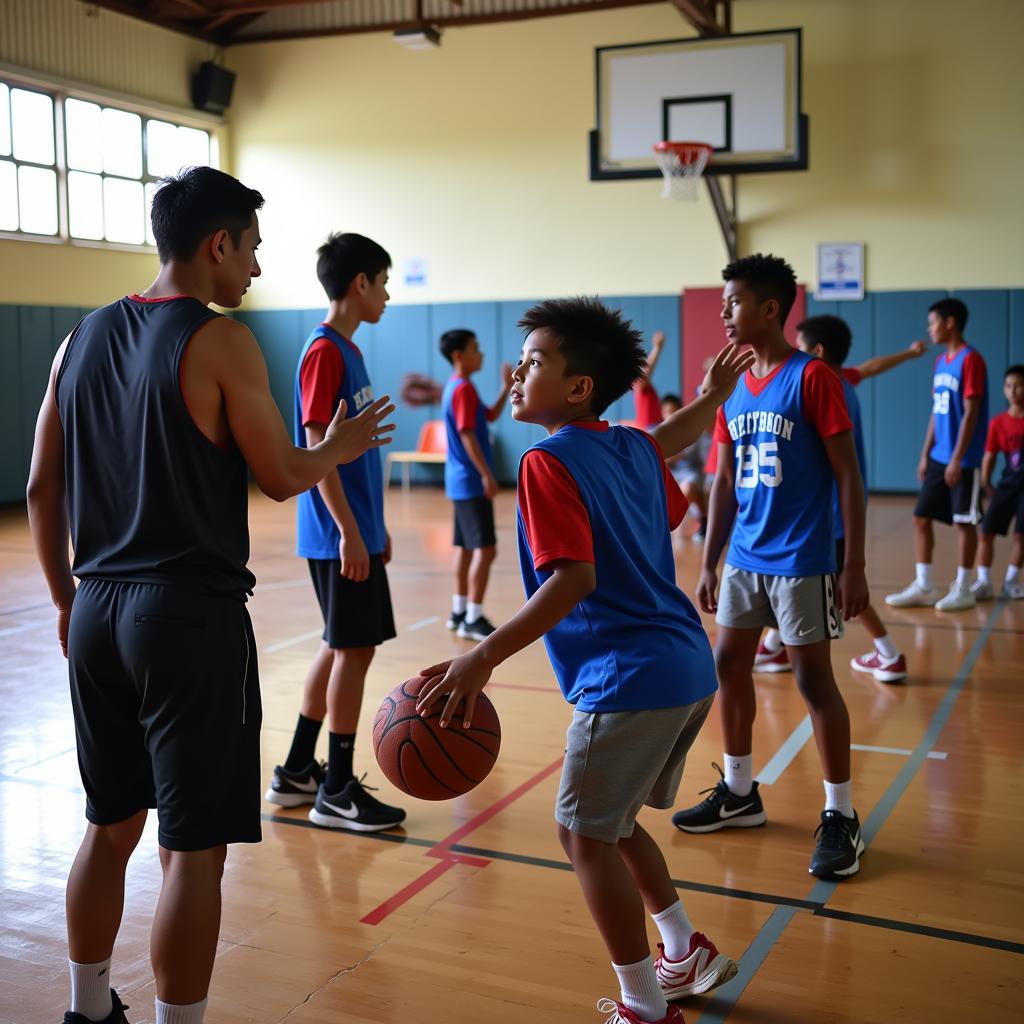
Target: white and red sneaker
pixel 771 661
pixel 702 969
pixel 892 670
pixel 619 1014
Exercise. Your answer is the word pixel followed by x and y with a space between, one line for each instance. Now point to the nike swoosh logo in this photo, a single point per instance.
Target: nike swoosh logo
pixel 804 632
pixel 350 812
pixel 305 787
pixel 723 813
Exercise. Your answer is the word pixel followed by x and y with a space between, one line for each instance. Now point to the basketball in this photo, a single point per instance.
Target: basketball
pixel 426 761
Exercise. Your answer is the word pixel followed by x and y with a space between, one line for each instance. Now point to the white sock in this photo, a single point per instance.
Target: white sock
pixel 886 648
pixel 90 989
pixel 923 572
pixel 675 929
pixel 963 576
pixel 772 641
pixel 739 773
pixel 174 1013
pixel 1012 572
pixel 984 573
pixel 641 992
pixel 839 797
pixel 458 604
pixel 473 611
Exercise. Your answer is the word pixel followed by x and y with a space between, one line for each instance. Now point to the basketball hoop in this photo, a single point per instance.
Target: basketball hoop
pixel 682 164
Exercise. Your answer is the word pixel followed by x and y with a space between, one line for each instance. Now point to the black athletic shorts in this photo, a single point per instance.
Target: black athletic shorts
pixel 355 614
pixel 474 523
pixel 960 504
pixel 166 700
pixel 1007 503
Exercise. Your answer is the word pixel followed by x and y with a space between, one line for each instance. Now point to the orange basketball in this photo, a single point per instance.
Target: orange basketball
pixel 429 762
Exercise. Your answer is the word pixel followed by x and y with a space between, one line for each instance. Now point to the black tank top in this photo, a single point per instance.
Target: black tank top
pixel 150 498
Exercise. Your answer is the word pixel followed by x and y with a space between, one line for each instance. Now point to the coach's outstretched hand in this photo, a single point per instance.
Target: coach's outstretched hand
pixel 350 438
pixel 730 363
pixel 463 679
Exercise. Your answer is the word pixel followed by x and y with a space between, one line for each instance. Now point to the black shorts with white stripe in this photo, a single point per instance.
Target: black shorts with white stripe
pixel 960 504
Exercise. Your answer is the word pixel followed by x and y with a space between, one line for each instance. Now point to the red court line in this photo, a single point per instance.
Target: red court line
pixel 378 914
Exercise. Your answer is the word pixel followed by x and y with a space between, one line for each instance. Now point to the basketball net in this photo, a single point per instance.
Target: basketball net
pixel 682 164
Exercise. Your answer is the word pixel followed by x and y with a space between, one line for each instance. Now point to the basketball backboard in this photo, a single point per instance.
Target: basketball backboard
pixel 740 93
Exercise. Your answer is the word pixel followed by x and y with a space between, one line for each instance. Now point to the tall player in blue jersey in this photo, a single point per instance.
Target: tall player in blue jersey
pixel 950 466
pixel 596 507
pixel 784 442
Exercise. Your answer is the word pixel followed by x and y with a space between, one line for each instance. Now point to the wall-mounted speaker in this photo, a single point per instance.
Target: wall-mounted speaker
pixel 211 88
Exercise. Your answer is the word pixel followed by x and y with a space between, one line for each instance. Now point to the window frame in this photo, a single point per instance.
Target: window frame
pixel 61 90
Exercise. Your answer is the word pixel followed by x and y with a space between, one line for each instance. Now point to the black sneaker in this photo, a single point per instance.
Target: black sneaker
pixel 353 808
pixel 293 789
pixel 722 809
pixel 478 629
pixel 116 1015
pixel 455 620
pixel 840 845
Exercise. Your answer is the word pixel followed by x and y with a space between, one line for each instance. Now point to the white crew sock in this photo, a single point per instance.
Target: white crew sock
pixel 839 797
pixel 984 574
pixel 675 929
pixel 473 612
pixel 90 989
pixel 641 992
pixel 1012 572
pixel 174 1013
pixel 458 604
pixel 886 648
pixel 923 572
pixel 772 641
pixel 739 773
pixel 963 576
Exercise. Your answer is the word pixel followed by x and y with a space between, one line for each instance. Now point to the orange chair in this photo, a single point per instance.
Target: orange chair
pixel 431 449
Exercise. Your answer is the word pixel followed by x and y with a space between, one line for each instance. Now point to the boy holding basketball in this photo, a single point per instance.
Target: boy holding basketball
pixel 342 536
pixel 596 507
pixel 469 480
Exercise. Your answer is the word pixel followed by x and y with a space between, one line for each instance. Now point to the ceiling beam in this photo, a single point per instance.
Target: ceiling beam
pixel 129 10
pixel 701 15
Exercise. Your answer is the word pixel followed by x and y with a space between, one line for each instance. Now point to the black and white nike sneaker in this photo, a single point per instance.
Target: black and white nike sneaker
pixel 116 1015
pixel 840 844
pixel 354 809
pixel 478 629
pixel 722 809
pixel 293 789
pixel 455 619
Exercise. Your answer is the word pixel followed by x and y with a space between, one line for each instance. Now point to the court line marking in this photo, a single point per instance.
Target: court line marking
pixel 422 623
pixel 783 757
pixel 292 640
pixel 935 755
pixel 719 1008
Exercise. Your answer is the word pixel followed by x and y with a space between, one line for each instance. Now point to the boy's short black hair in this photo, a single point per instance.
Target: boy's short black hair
pixel 454 341
pixel 831 333
pixel 1017 370
pixel 343 257
pixel 596 341
pixel 194 204
pixel 951 308
pixel 674 399
pixel 769 277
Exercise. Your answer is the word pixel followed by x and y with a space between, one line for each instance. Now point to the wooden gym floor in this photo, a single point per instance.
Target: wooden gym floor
pixel 470 914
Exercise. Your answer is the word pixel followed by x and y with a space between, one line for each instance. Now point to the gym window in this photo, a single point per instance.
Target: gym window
pixel 78 170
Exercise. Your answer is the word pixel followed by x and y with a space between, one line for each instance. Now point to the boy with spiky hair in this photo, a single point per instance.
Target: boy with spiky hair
pixel 784 442
pixel 596 508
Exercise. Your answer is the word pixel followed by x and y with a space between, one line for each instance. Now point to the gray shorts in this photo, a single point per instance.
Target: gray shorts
pixel 802 608
pixel 615 762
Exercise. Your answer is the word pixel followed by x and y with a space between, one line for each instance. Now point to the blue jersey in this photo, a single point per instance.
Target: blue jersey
pixel 784 479
pixel 363 479
pixel 853 408
pixel 636 642
pixel 461 403
pixel 963 376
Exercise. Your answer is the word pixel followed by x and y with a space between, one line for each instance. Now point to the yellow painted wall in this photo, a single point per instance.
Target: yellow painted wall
pixel 474 156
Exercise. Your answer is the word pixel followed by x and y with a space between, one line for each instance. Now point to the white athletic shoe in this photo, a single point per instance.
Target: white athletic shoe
pixel 914 596
pixel 1013 591
pixel 959 599
pixel 982 591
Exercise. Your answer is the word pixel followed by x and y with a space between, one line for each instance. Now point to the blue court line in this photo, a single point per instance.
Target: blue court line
pixel 722 1004
pixel 770 773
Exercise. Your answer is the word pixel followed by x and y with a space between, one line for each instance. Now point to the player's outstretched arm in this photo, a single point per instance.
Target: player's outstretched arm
pixel 852 586
pixel 464 678
pixel 230 353
pixel 721 513
pixel 880 364
pixel 682 428
pixel 506 386
pixel 657 344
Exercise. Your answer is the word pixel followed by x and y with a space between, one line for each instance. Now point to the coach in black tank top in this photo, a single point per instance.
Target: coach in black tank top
pixel 156 411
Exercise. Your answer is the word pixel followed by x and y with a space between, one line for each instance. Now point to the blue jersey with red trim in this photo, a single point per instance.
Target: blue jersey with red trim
pixel 318 535
pixel 949 387
pixel 636 642
pixel 461 478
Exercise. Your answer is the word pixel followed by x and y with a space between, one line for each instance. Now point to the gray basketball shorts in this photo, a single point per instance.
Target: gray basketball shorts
pixel 802 608
pixel 617 761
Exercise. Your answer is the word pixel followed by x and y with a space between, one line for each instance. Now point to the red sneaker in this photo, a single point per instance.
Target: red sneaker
pixel 771 661
pixel 885 671
pixel 702 969
pixel 619 1014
